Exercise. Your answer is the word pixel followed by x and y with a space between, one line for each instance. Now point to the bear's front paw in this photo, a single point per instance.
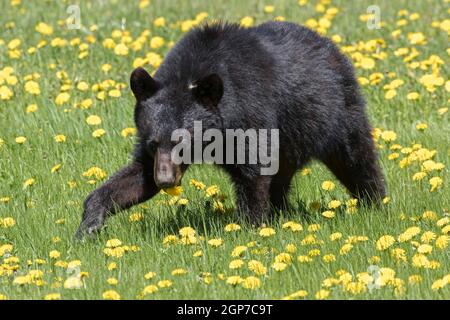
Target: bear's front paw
pixel 89 226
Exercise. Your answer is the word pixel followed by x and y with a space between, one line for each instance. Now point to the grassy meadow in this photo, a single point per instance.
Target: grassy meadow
pixel 66 124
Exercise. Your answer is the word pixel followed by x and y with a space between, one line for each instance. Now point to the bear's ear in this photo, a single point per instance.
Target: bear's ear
pixel 208 91
pixel 142 84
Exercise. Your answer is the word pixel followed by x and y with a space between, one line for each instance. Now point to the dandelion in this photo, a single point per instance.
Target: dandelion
pixel 54 254
pixel 238 251
pixel 335 236
pixel 52 296
pixel 93 120
pixel 345 249
pixel 328 185
pixel 329 214
pixel 150 289
pixel 32 87
pixel 128 132
pixel 314 227
pixel 279 266
pixel 111 295
pixel 20 140
pixel 159 22
pixel 251 283
pixel 234 280
pixel 60 138
pixel 149 275
pixel 293 226
pixel 164 283
pixel 156 42
pixel 174 191
pixel 388 136
pixel 247 22
pixel 113 243
pixel 62 98
pixel 236 264
pixel 439 284
pixel 44 29
pixel 435 183
pixel 7 222
pixel 421 126
pixel 98 133
pixel 197 253
pixel 419 176
pixel 135 217
pixel 212 191
pixel 269 9
pixel 215 242
pixel 385 242
pixel 112 266
pixel 5 93
pixel 442 242
pixel 29 182
pixel 121 49
pixel 304 259
pixel 257 267
pixel 170 239
pixel 334 204
pixel 322 294
pixel 179 272
pixel 367 63
pixel 413 96
pixel 266 232
pixel 95 172
pixel 232 227
pixel 329 258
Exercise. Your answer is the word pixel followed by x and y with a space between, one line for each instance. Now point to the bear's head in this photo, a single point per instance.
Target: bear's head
pixel 162 108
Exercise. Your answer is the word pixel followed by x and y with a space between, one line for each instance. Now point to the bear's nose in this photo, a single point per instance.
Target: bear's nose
pixel 164 177
pixel 164 171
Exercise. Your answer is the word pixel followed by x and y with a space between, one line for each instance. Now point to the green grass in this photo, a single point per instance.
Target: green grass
pixel 36 208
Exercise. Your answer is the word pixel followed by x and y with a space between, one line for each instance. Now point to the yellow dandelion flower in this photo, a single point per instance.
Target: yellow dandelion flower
pixel 179 272
pixel 232 227
pixel 236 264
pixel 164 283
pixel 150 289
pixel 385 242
pixel 267 232
pixel 93 120
pixel 234 280
pixel 111 295
pixel 329 214
pixel 247 22
pixel 98 133
pixel 251 283
pixel 322 294
pixel 52 296
pixel 215 242
pixel 257 267
pixel 435 183
pixel 128 132
pixel 328 185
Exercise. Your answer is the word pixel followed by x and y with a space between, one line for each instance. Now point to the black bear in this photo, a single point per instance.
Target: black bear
pixel 277 75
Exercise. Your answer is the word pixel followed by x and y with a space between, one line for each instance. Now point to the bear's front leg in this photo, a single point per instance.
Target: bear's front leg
pixel 253 198
pixel 130 186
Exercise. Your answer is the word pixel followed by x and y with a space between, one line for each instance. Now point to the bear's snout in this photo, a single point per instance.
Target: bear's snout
pixel 166 173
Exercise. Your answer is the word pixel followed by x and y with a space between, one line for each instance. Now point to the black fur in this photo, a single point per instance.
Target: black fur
pixel 276 75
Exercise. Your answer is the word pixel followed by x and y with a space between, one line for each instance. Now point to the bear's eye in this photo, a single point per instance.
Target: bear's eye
pixel 152 145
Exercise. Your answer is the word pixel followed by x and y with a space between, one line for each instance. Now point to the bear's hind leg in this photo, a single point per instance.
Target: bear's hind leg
pixel 279 189
pixel 355 164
